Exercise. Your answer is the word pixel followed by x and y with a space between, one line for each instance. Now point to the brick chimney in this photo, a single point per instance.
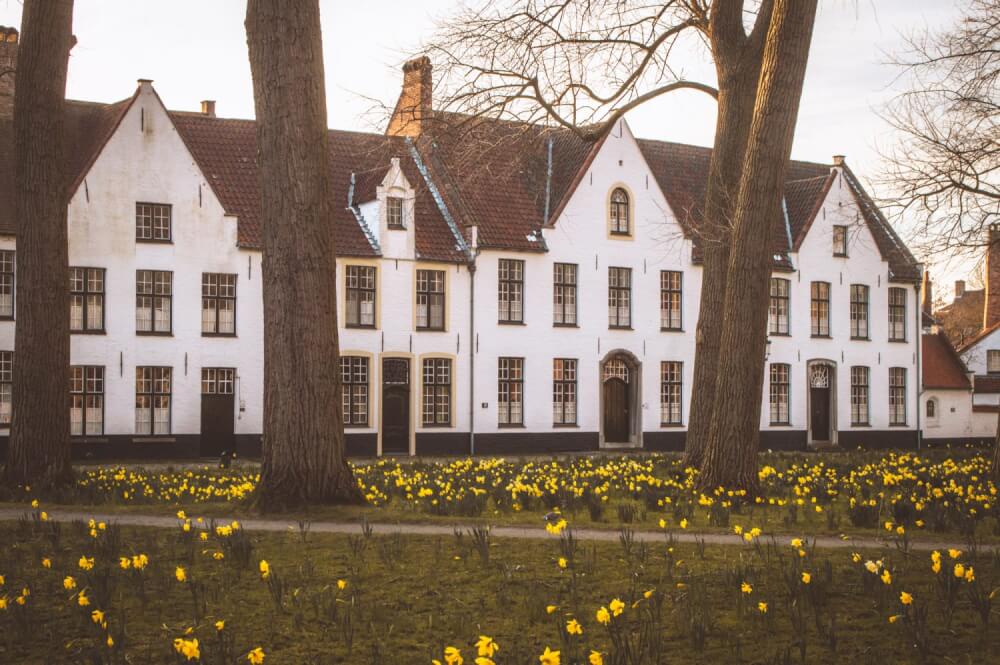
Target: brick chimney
pixel 991 310
pixel 838 160
pixel 208 107
pixel 8 63
pixel 959 288
pixel 927 294
pixel 414 104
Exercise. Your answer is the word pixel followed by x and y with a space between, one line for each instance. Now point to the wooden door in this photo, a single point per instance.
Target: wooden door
pixel 616 411
pixel 395 406
pixel 819 413
pixel 217 411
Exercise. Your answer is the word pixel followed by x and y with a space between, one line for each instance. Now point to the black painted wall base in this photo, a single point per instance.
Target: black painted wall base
pixel 451 443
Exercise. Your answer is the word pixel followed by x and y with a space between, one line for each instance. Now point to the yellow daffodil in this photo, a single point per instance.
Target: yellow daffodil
pixel 256 656
pixel 549 657
pixel 573 627
pixel 905 598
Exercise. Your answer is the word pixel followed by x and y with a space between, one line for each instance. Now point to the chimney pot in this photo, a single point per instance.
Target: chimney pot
pixel 415 99
pixel 927 295
pixel 208 107
pixel 959 288
pixel 838 160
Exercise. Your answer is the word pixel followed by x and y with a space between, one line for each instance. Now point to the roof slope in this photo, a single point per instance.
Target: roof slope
pixel 86 128
pixel 941 366
pixel 226 152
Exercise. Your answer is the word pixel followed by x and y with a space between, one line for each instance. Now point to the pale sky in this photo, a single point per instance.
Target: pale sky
pixel 196 49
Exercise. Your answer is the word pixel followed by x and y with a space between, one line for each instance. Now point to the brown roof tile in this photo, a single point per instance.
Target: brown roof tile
pixel 941 367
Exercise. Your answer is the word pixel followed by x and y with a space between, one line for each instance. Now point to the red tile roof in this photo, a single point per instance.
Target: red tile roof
pixel 940 365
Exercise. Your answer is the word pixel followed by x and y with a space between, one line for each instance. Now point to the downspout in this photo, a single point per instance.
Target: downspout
pixel 473 253
pixel 548 182
pixel 919 335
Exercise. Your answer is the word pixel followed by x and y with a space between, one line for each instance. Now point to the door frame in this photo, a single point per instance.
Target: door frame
pixel 201 409
pixel 381 389
pixel 832 364
pixel 633 394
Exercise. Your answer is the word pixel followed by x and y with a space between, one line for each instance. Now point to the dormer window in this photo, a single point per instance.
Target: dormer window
pixel 618 212
pixel 839 240
pixel 394 212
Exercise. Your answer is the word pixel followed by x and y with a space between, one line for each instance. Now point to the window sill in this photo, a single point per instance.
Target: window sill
pixel 565 325
pixel 898 425
pixel 154 241
pixel 619 327
pixel 358 326
pixel 88 332
pixel 510 323
pixel 820 336
pixel 671 330
pixel 436 427
pixel 154 333
pixel 779 334
pixel 861 424
pixel 897 341
pixel 510 425
pixel 779 424
pixel 837 255
pixel 205 334
pixel 861 339
pixel 395 227
pixel 566 425
pixel 420 330
pixel 619 235
pixel 156 438
pixel 88 438
pixel 357 426
pixel 7 318
pixel 671 425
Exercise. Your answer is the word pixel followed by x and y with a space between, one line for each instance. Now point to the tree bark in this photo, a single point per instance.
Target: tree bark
pixel 734 437
pixel 39 449
pixel 304 460
pixel 737 63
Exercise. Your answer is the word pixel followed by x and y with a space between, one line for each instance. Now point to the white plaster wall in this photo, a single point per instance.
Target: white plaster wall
pixel 145 160
pixel 975 356
pixel 954 418
pixel 580 236
pixel 863 265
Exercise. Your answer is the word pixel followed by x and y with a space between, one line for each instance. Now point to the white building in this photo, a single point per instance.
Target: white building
pixel 502 288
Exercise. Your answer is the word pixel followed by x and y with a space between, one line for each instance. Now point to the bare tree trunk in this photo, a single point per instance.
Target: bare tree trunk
pixel 39 451
pixel 737 63
pixel 995 467
pixel 303 449
pixel 731 453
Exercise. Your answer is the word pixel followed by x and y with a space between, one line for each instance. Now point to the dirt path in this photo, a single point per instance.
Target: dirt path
pixel 284 525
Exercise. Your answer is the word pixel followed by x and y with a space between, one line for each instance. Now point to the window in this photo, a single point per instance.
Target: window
pixel 931 409
pixel 859 311
pixel 152 400
pixel 777 316
pixel 619 297
pixel 564 391
pixel 779 393
pixel 670 299
pixel 218 380
pixel 618 212
pixel 897 314
pixel 564 294
pixel 86 299
pixel 86 400
pixel 430 300
pixel 859 395
pixel 993 361
pixel 897 395
pixel 153 301
pixel 218 304
pixel 670 392
pixel 354 380
pixel 510 273
pixel 437 392
pixel 839 240
pixel 360 297
pixel 152 222
pixel 6 387
pixel 394 212
pixel 820 309
pixel 510 380
pixel 6 284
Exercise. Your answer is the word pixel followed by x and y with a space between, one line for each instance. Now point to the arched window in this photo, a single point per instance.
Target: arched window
pixel 932 408
pixel 619 212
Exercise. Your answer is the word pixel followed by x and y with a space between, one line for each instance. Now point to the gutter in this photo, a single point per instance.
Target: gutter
pixel 472 349
pixel 918 334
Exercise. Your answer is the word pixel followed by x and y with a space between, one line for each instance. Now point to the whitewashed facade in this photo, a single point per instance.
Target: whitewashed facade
pixel 495 390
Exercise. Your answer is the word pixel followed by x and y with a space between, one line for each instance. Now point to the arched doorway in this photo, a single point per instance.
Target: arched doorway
pixel 822 376
pixel 620 382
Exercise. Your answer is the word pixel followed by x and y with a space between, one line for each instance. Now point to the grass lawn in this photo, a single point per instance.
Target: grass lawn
pixel 406 598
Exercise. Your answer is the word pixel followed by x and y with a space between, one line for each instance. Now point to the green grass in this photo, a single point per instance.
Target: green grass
pixel 407 597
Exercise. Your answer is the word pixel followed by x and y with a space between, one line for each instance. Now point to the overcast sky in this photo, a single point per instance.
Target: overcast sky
pixel 196 49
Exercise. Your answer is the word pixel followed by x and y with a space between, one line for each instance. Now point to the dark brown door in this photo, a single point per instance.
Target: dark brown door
pixel 819 413
pixel 616 411
pixel 217 402
pixel 395 406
